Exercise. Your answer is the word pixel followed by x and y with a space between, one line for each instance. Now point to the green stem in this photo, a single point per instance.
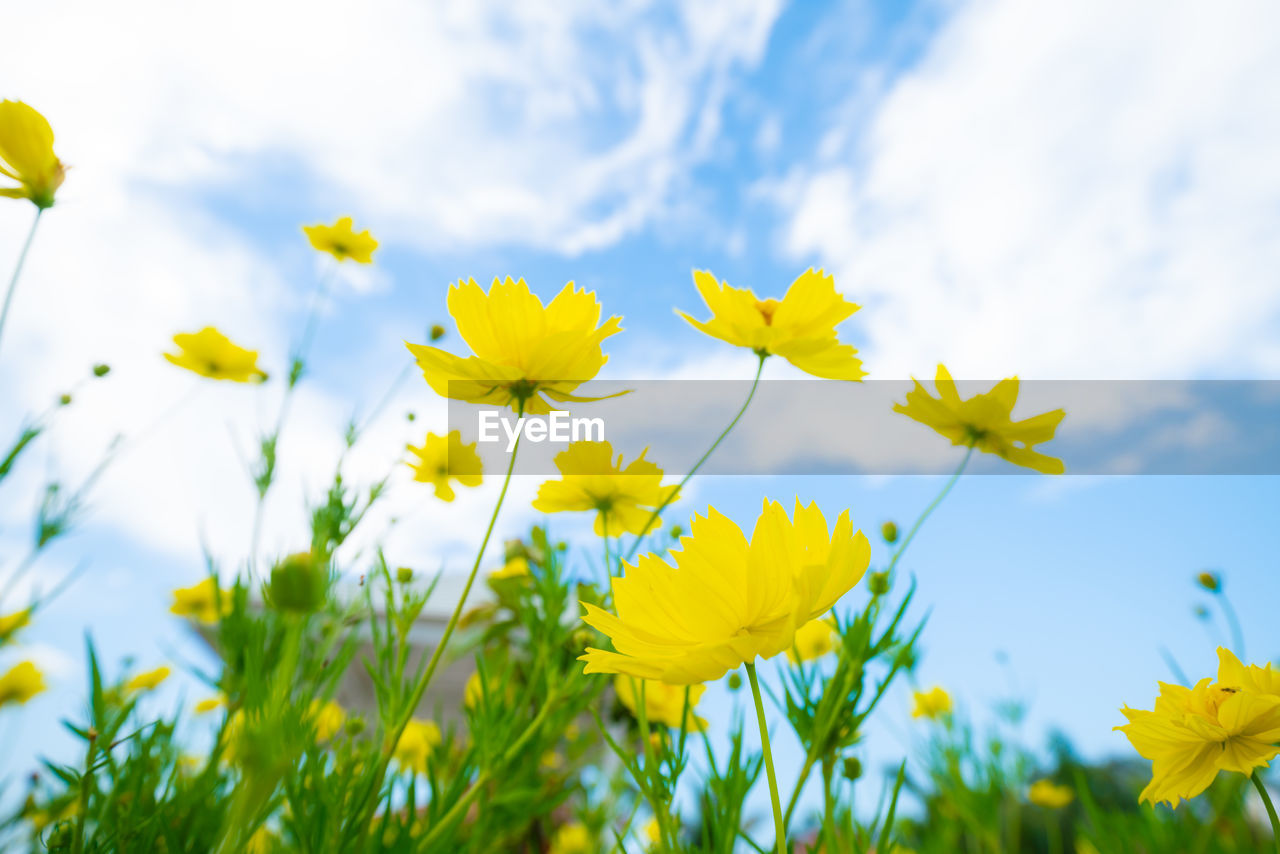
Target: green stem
pixel 17 270
pixel 297 360
pixel 650 764
pixel 460 806
pixel 82 799
pixel 778 825
pixel 420 688
pixel 675 492
pixel 1237 633
pixel 933 505
pixel 1271 810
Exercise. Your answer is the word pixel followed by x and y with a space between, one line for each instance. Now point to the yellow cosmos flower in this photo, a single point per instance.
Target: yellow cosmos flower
pixel 211 354
pixel 517 567
pixel 415 745
pixel 147 681
pixel 985 421
pixel 1232 724
pixel 200 601
pixel 11 624
pixel 525 353
pixel 1046 793
pixel 623 498
pixel 801 327
pixel 814 639
pixel 573 838
pixel 341 241
pixel 445 458
pixel 23 681
pixel 727 601
pixel 663 703
pixel 26 155
pixel 932 704
pixel 208 704
pixel 328 718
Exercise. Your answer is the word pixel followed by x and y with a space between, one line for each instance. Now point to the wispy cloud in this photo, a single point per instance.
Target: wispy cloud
pixel 1072 191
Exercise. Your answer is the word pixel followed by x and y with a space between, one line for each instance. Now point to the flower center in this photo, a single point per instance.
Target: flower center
pixel 767 307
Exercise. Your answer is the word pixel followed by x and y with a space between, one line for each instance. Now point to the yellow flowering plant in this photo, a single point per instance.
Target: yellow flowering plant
pixel 1229 724
pixel 526 355
pixel 566 662
pixel 985 421
pixel 342 241
pixel 441 459
pixel 211 354
pixel 26 155
pixel 800 327
pixel 624 498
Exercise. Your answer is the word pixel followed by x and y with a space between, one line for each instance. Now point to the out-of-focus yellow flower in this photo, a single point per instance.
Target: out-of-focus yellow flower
pixel 985 421
pixel 551 761
pixel 11 624
pixel 23 681
pixel 263 841
pixel 200 601
pixel 801 327
pixel 208 704
pixel 525 353
pixel 328 718
pixel 445 458
pixel 1232 724
pixel 42 818
pixel 573 838
pixel 727 601
pixel 341 241
pixel 516 567
pixel 148 680
pixel 211 354
pixel 623 498
pixel 814 639
pixel 475 690
pixel 663 703
pixel 932 704
pixel 26 155
pixel 653 831
pixel 415 745
pixel 1046 793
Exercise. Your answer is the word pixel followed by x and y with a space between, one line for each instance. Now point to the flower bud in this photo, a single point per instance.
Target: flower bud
pixel 878 583
pixel 354 726
pixel 1210 581
pixel 410 417
pixel 677 532
pixel 852 768
pixel 889 531
pixel 437 332
pixel 404 575
pixel 101 369
pixel 735 681
pixel 64 400
pixel 298 584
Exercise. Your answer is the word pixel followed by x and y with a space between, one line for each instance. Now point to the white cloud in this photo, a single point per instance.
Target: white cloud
pixel 1079 190
pixel 553 126
pixel 561 126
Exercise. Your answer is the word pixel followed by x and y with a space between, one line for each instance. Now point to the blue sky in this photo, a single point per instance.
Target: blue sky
pixel 1069 193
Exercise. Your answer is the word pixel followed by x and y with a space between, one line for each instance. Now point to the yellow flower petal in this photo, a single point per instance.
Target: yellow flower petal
pixel 725 601
pixel 211 354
